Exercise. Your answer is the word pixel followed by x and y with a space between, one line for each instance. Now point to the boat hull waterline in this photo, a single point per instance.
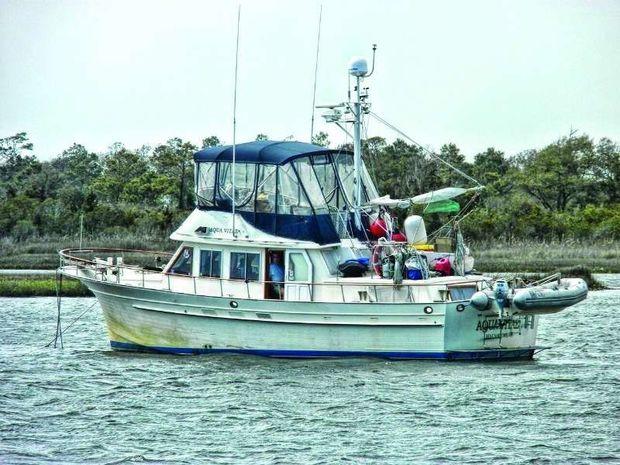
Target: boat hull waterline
pixel 160 321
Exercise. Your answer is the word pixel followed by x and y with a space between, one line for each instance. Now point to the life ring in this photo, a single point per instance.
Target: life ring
pixel 375 260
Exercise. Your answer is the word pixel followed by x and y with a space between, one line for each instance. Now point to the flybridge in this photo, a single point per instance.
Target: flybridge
pixel 289 189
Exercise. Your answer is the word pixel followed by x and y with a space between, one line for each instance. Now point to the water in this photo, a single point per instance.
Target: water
pixel 86 404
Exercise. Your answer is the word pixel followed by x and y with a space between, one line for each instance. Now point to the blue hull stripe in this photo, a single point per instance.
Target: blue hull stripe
pixel 449 355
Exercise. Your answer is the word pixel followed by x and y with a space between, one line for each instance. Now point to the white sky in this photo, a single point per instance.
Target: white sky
pixel 509 74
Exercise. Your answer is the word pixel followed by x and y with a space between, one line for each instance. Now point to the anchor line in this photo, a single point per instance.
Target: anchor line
pixel 59 332
pixel 58 304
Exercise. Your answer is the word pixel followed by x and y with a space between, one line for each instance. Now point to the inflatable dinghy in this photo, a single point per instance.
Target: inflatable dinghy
pixel 538 300
pixel 551 297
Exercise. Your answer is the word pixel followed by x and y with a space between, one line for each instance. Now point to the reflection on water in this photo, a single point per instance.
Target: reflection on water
pixel 86 404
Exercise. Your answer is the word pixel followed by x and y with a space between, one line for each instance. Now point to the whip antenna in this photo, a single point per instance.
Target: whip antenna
pixel 234 145
pixel 316 69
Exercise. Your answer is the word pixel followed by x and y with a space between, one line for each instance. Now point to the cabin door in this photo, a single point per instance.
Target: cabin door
pixel 274 274
pixel 298 276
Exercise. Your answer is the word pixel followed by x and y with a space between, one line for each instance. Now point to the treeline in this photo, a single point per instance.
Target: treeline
pixel 568 189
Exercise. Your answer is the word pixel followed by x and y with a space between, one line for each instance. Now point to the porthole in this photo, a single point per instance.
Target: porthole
pixel 428 310
pixel 460 307
pixel 234 304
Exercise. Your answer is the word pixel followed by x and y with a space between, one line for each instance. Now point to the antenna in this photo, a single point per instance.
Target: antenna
pixel 316 69
pixel 234 145
pixel 374 52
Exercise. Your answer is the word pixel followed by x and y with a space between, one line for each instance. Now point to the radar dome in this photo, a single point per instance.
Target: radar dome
pixel 358 67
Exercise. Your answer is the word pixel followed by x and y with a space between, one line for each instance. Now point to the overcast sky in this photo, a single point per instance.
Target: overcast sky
pixel 508 74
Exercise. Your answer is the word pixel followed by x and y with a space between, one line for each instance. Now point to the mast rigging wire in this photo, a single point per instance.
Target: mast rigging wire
pixel 424 149
pixel 316 70
pixel 234 144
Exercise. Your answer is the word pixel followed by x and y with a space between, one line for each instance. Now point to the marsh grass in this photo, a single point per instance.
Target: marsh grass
pixel 41 253
pixel 40 286
pixel 544 257
pixel 525 256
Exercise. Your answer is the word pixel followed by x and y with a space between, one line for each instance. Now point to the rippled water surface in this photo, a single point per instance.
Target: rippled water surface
pixel 87 404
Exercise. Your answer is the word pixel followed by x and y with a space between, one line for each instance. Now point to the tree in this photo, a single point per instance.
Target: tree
pixel 402 170
pixel 372 148
pixel 175 161
pixel 555 175
pixel 78 169
pixel 120 166
pixel 494 170
pixel 261 137
pixel 602 166
pixel 211 141
pixel 447 176
pixel 14 146
pixel 16 164
pixel 321 139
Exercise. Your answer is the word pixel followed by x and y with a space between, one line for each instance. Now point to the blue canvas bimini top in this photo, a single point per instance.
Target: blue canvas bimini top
pixel 262 152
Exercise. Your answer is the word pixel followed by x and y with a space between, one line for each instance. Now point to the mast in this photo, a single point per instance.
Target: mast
pixel 357 146
pixel 358 69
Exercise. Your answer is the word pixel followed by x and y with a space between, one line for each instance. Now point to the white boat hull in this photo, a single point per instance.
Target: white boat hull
pixel 163 321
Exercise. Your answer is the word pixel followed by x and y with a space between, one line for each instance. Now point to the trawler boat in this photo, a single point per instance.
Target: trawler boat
pixel 291 252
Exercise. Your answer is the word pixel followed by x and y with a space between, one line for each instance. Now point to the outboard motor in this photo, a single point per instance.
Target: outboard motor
pixel 501 289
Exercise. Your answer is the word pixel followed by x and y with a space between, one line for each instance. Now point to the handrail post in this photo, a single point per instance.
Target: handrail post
pixel 168 282
pixel 342 292
pixel 142 278
pixel 221 288
pixel 194 278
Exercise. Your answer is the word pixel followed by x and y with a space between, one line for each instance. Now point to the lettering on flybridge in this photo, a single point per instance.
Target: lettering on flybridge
pixel 496 328
pixel 210 230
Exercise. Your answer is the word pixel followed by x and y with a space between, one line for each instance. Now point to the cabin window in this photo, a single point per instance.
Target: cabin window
pixel 462 293
pixel 297 267
pixel 244 266
pixel 183 263
pixel 210 263
pixel 331 257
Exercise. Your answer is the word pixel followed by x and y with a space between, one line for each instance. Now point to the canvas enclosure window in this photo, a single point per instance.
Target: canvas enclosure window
pixel 206 183
pixel 346 172
pixel 244 185
pixel 266 189
pixel 291 197
pixel 310 183
pixel 328 181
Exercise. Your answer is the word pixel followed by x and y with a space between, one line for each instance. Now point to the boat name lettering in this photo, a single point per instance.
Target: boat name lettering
pixel 216 230
pixel 496 323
